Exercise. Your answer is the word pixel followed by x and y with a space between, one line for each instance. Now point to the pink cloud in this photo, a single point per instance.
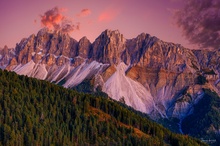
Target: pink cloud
pixel 55 20
pixel 84 13
pixel 107 15
pixel 51 18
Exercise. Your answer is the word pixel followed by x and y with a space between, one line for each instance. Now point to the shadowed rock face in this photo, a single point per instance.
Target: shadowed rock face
pixel 163 76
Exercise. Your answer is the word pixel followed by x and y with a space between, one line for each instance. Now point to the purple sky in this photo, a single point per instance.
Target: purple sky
pixel 21 18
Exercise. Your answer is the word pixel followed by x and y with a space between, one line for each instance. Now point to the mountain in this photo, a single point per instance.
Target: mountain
pixel 37 112
pixel 5 56
pixel 161 79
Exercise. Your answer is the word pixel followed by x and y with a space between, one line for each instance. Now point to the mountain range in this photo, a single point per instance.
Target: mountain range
pixel 161 79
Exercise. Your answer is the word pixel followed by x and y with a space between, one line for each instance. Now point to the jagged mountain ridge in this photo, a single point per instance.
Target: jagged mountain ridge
pixel 152 76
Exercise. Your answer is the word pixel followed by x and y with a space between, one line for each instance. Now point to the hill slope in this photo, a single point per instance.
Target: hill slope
pixel 205 120
pixel 37 112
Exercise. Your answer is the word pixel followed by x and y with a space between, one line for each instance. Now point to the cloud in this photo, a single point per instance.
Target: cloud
pixel 200 22
pixel 84 13
pixel 55 20
pixel 107 15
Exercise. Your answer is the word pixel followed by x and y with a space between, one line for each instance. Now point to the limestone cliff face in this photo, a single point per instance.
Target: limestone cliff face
pixel 162 74
pixel 163 68
pixel 209 61
pixel 25 49
pixel 46 47
pixel 208 58
pixel 150 52
pixel 85 48
pixel 5 56
pixel 108 47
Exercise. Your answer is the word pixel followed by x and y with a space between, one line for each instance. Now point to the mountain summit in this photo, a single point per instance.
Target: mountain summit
pixel 158 78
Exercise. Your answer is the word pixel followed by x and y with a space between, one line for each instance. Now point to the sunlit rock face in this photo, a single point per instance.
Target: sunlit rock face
pixel 108 47
pixel 158 78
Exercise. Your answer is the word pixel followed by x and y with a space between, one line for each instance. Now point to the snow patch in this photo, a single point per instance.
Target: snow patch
pixel 33 53
pixel 80 57
pixel 39 53
pixel 12 52
pixel 55 56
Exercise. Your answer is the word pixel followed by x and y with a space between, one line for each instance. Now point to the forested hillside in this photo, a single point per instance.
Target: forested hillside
pixel 34 112
pixel 205 121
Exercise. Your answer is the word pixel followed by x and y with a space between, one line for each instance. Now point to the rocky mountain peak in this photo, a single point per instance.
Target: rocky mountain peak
pixel 113 36
pixel 136 47
pixel 108 47
pixel 84 39
pixel 5 49
pixel 45 30
pixel 110 32
pixel 84 48
pixel 45 43
pixel 5 56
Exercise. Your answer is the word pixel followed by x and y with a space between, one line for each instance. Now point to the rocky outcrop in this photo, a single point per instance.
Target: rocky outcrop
pixel 84 48
pixel 6 54
pixel 208 58
pixel 108 47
